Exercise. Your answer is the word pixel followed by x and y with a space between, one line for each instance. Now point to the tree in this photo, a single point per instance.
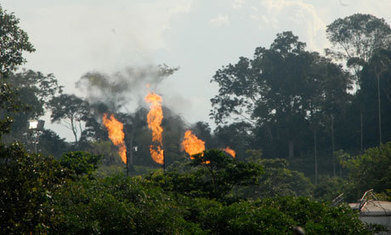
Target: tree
pixel 334 99
pixel 237 136
pixel 33 91
pixel 274 91
pixel 13 42
pixel 71 110
pixel 370 170
pixel 358 36
pixel 80 163
pixel 50 143
pixel 278 180
pixel 280 215
pixel 213 174
pixel 375 88
pixel 379 63
pixel 355 39
pixel 119 205
pixel 28 182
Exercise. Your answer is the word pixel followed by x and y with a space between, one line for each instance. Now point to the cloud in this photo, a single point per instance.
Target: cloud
pixel 237 4
pixel 298 16
pixel 219 21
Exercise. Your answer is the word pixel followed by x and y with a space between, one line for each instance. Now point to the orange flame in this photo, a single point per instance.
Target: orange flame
pixel 157 154
pixel 154 119
pixel 192 145
pixel 116 134
pixel 230 151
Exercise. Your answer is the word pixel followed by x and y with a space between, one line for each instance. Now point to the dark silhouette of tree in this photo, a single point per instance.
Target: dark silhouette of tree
pixel 71 110
pixel 355 39
pixel 13 42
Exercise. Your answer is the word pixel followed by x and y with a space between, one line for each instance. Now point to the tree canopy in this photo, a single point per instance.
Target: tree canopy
pixel 13 42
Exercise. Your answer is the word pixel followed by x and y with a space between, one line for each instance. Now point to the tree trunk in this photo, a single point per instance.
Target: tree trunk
pixel 129 153
pixel 333 145
pixel 379 108
pixel 291 149
pixel 361 131
pixel 73 127
pixel 315 158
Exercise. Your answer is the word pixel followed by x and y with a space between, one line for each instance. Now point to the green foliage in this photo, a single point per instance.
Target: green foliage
pixel 371 170
pixel 275 216
pixel 282 93
pixel 13 42
pixel 278 180
pixel 50 143
pixel 28 182
pixel 212 174
pixel 8 103
pixel 80 162
pixel 38 195
pixel 328 188
pixel 253 155
pixel 318 218
pixel 118 205
pixel 244 218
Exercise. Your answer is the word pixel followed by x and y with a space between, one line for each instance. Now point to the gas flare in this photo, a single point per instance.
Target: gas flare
pixel 154 119
pixel 230 151
pixel 157 154
pixel 192 145
pixel 116 134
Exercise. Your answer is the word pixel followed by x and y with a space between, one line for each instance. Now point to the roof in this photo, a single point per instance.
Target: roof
pixel 373 208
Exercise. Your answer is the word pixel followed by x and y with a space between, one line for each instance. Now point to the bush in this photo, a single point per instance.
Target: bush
pixel 28 183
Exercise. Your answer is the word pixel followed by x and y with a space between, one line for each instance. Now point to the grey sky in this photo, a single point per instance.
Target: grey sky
pixel 73 37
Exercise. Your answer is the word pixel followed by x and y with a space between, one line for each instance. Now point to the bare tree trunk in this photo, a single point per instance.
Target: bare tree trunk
pixel 361 131
pixel 130 160
pixel 315 158
pixel 291 149
pixel 379 107
pixel 73 127
pixel 333 144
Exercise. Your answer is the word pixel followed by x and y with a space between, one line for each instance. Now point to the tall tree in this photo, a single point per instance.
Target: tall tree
pixel 275 90
pixel 380 61
pixel 13 42
pixel 376 88
pixel 355 39
pixel 334 99
pixel 71 110
pixel 358 36
pixel 33 91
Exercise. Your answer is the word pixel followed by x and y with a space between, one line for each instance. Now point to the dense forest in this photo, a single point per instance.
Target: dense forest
pixel 305 127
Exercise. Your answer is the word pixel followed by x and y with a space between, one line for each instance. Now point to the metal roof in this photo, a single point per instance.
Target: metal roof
pixel 373 208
